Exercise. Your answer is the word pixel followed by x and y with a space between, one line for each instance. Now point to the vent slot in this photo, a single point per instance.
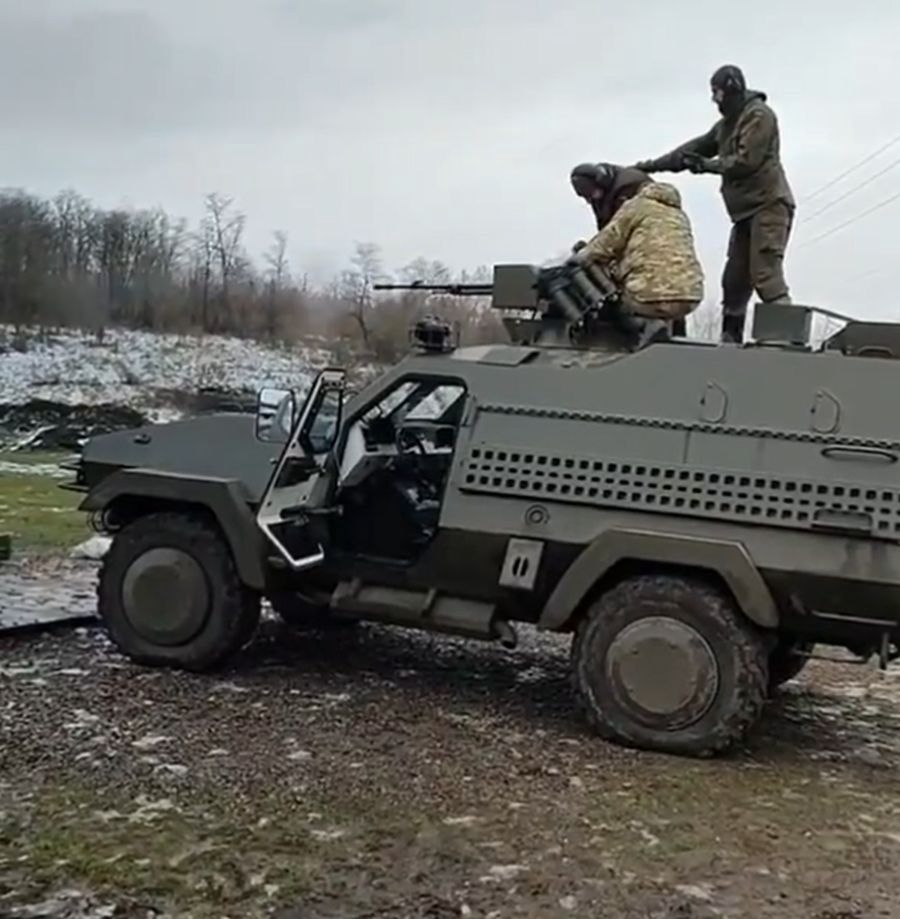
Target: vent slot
pixel 723 495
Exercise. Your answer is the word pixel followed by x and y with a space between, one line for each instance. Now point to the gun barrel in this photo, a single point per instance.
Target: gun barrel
pixel 461 290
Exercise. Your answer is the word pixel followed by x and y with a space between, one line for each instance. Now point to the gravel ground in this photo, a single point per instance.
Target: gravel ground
pixel 376 772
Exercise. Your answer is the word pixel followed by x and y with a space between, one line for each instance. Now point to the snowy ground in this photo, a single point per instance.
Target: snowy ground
pixel 133 367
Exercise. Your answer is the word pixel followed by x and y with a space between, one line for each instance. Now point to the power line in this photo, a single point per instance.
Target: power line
pixel 852 220
pixel 851 170
pixel 893 164
pixel 869 273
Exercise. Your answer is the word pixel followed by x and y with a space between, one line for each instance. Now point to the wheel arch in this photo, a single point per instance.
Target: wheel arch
pixel 128 494
pixel 616 553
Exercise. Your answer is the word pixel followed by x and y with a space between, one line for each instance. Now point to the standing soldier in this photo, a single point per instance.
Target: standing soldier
pixel 743 147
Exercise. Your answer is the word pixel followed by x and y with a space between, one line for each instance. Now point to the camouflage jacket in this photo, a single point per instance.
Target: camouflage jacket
pixel 648 248
pixel 748 148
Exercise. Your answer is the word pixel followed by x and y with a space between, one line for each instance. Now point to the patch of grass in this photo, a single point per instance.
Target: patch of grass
pixel 40 515
pixel 201 858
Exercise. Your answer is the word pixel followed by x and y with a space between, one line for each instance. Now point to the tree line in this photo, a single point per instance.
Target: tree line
pixel 66 262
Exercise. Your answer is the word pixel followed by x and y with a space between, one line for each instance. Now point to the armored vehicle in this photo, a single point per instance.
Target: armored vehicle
pixel 696 516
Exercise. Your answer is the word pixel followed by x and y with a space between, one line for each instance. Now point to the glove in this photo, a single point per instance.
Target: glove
pixel 646 166
pixel 700 164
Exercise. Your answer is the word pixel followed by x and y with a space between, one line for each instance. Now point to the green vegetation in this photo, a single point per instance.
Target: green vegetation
pixel 210 855
pixel 40 516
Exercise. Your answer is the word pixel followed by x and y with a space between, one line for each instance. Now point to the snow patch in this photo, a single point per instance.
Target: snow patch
pixel 72 368
pixel 93 549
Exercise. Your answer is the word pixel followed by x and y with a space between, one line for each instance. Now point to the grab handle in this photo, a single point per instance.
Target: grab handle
pixel 864 454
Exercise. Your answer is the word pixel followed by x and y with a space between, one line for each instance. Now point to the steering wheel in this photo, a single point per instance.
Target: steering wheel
pixel 410 434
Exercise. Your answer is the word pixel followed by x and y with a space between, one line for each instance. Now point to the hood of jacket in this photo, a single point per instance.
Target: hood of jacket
pixel 734 110
pixel 662 193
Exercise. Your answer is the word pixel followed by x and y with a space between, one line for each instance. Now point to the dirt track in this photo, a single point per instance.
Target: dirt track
pixel 380 773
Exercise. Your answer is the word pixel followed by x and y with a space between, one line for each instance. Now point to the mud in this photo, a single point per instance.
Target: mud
pixel 384 773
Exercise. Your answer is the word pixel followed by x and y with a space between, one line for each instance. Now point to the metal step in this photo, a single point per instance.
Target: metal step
pixel 420 609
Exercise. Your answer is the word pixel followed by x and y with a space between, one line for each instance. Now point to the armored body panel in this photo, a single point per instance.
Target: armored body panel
pixel 697 515
pixel 739 445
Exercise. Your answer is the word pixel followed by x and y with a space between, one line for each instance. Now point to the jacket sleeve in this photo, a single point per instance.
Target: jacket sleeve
pixel 705 145
pixel 752 144
pixel 609 244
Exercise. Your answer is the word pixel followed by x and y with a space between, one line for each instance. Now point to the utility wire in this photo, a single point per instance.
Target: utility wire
pixel 852 220
pixel 851 170
pixel 871 272
pixel 892 165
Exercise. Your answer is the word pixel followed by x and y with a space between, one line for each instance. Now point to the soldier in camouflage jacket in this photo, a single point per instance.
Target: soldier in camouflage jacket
pixel 647 249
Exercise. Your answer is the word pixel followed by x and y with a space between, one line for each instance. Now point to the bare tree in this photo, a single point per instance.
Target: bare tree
pixel 356 285
pixel 226 230
pixel 64 261
pixel 276 259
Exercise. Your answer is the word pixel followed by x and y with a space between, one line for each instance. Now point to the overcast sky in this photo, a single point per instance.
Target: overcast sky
pixel 447 128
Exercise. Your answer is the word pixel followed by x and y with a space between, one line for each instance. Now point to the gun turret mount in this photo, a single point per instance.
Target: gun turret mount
pixel 564 305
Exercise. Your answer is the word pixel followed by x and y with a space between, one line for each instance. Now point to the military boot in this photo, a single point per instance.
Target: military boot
pixel 652 331
pixel 732 329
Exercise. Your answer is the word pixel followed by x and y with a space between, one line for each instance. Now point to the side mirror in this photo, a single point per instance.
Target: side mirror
pixel 276 412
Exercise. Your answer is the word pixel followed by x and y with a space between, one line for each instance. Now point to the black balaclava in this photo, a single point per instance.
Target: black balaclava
pixel 729 80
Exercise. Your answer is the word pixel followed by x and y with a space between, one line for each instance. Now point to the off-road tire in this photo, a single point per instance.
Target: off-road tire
pixel 231 614
pixel 735 646
pixel 302 615
pixel 785 662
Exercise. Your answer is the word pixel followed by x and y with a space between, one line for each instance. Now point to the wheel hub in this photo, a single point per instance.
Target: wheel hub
pixel 663 672
pixel 165 596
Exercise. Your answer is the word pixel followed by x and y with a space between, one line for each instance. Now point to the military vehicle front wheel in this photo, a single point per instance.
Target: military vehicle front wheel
pixel 170 595
pixel 667 663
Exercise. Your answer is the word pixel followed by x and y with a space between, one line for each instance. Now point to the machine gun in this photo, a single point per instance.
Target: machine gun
pixel 456 290
pixel 568 304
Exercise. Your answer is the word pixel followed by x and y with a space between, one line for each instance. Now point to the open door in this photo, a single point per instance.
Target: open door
pixel 305 469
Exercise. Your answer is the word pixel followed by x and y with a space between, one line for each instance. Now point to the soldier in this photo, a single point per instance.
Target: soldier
pixel 647 249
pixel 743 147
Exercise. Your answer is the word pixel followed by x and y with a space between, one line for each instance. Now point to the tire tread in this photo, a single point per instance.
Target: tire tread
pixel 751 678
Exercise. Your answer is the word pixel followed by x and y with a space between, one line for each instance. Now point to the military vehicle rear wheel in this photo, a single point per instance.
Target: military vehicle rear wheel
pixel 667 663
pixel 787 660
pixel 303 615
pixel 170 595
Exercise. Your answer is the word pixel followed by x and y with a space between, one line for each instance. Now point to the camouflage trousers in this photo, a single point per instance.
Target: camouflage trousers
pixel 672 311
pixel 756 260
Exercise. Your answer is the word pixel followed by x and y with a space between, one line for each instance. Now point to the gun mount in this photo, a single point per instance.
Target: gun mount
pixel 566 305
pixel 573 306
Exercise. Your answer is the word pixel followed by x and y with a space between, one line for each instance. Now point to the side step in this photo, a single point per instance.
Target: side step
pixel 427 610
